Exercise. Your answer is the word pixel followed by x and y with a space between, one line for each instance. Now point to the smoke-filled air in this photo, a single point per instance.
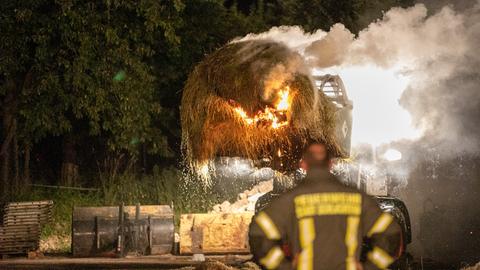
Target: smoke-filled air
pixel 414 79
pixel 393 68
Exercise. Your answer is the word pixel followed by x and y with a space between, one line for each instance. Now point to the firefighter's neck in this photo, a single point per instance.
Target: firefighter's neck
pixel 318 171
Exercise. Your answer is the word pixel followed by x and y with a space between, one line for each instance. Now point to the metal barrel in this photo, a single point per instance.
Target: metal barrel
pixel 115 231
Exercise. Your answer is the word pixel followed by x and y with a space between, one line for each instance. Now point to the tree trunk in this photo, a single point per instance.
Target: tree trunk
pixel 26 166
pixel 8 128
pixel 5 174
pixel 16 165
pixel 69 172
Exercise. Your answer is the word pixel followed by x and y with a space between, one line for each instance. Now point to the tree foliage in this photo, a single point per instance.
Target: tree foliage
pixel 77 61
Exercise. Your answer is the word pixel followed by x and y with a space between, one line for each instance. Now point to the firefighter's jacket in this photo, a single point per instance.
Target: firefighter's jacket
pixel 323 224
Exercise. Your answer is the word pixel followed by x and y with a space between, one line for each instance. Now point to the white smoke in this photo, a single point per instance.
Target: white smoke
pixel 406 49
pixel 414 78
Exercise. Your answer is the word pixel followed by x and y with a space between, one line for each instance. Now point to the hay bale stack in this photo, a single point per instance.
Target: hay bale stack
pixel 248 74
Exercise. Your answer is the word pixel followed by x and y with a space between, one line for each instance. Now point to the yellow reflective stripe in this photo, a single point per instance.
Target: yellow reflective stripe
pixel 307 231
pixel 381 224
pixel 273 258
pixel 351 241
pixel 307 236
pixel 380 258
pixel 267 226
pixel 330 203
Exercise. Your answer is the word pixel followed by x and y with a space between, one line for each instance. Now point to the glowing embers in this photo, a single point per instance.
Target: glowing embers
pixel 274 117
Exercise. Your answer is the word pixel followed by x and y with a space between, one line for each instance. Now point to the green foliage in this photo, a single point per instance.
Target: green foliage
pixel 374 10
pixel 166 186
pixel 322 14
pixel 127 188
pixel 64 201
pixel 72 62
pixel 314 14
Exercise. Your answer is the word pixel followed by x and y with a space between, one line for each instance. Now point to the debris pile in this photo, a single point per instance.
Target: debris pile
pixel 474 267
pixel 245 200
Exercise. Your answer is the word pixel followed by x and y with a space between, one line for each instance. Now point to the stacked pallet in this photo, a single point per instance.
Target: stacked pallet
pixel 21 226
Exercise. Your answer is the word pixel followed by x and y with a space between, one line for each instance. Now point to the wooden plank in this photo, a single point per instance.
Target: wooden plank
pixel 20 236
pixel 24 210
pixel 27 211
pixel 4 236
pixel 19 232
pixel 218 233
pixel 18 243
pixel 17 236
pixel 49 202
pixel 12 223
pixel 35 207
pixel 21 242
pixel 32 208
pixel 9 236
pixel 19 239
pixel 36 217
pixel 30 238
pixel 25 219
pixel 20 227
pixel 13 246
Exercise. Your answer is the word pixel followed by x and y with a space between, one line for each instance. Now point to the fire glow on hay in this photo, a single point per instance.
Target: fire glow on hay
pixel 274 117
pixel 252 99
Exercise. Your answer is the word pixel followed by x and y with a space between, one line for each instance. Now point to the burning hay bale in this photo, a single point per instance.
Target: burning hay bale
pixel 252 99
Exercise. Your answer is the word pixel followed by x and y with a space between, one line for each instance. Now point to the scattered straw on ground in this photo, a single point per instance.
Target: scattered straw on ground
pixel 55 244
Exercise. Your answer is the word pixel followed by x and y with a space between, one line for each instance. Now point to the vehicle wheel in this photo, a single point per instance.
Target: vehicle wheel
pixel 405 262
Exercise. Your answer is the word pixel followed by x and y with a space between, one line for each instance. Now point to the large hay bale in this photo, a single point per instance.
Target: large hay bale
pixel 249 74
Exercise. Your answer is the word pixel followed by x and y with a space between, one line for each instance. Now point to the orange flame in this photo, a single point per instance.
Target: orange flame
pixel 275 117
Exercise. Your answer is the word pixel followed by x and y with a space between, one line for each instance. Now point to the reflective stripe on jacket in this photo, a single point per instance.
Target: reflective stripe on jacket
pixel 322 224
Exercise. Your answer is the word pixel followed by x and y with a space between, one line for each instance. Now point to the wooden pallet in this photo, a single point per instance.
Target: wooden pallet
pixel 21 225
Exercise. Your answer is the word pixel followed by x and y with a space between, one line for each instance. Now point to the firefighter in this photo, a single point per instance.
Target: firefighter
pixel 323 224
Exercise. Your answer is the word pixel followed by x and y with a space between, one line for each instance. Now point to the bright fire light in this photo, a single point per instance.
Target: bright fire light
pixel 392 155
pixel 284 101
pixel 274 117
pixel 378 117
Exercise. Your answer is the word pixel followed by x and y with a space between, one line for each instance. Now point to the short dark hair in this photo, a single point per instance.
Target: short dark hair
pixel 310 143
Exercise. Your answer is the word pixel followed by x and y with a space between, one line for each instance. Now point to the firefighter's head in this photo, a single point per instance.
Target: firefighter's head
pixel 315 156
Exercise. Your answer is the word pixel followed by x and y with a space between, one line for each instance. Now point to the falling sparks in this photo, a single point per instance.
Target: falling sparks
pixel 274 117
